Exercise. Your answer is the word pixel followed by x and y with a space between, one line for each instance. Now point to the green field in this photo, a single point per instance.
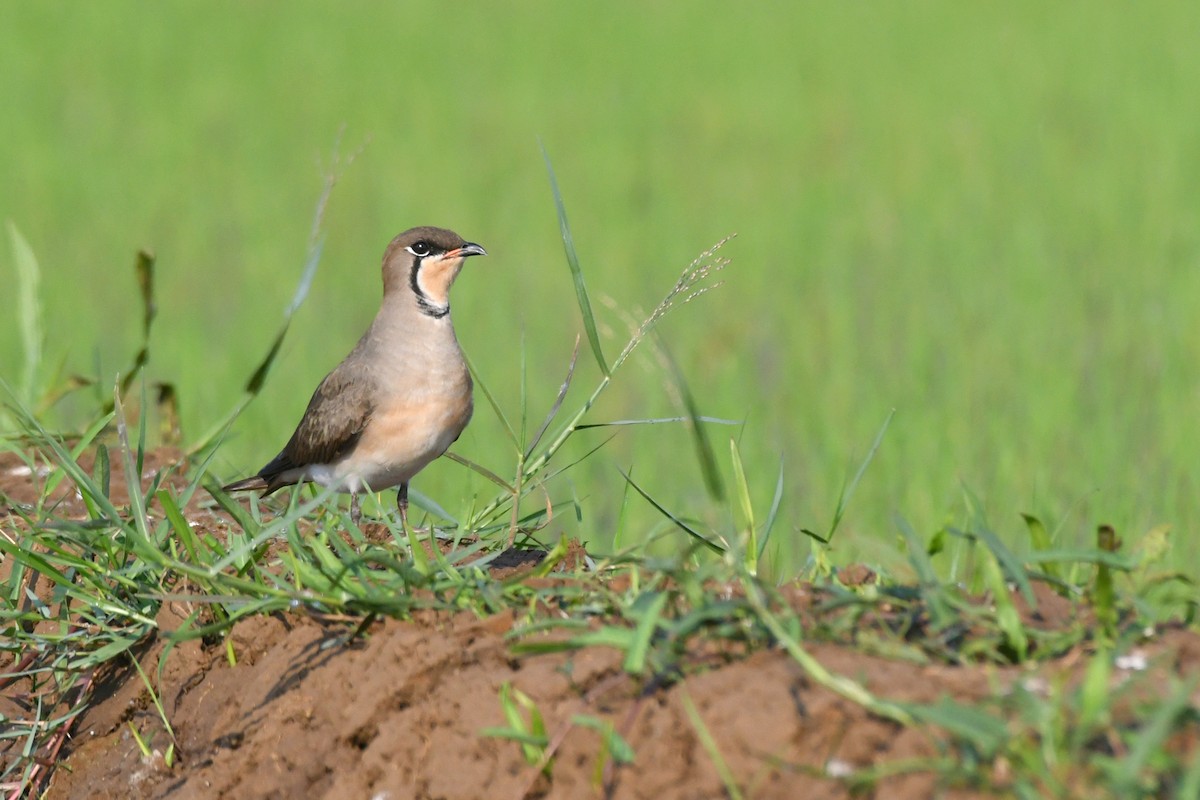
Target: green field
pixel 985 218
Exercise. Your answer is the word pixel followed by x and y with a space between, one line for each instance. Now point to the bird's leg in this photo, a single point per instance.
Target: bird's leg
pixel 355 510
pixel 402 504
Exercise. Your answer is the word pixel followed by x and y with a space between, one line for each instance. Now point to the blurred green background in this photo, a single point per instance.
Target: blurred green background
pixel 985 217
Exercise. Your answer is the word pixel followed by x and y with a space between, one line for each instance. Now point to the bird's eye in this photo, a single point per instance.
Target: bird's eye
pixel 419 249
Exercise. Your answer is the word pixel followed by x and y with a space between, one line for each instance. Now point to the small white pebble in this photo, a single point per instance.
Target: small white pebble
pixel 1035 685
pixel 1134 661
pixel 20 471
pixel 836 768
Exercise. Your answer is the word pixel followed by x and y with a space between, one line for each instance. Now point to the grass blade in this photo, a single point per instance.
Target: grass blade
pixel 635 656
pixel 183 531
pixel 985 731
pixel 917 555
pixel 1014 570
pixel 59 455
pixel 688 529
pixel 482 470
pixel 848 490
pixel 144 267
pixel 259 376
pixel 1104 598
pixel 617 746
pixel 773 514
pixel 558 401
pixel 1040 540
pixel 1151 738
pixel 704 451
pixel 1008 619
pixel 1189 786
pixel 617 423
pixel 1084 556
pixel 750 546
pixel 581 293
pixel 710 747
pixel 491 398
pixel 29 312
pixel 137 501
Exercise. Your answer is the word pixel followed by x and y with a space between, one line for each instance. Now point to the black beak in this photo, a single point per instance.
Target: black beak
pixel 468 249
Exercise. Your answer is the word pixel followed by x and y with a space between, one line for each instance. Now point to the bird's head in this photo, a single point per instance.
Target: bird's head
pixel 424 262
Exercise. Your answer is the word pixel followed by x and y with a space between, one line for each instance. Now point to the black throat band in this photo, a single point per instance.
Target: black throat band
pixel 427 307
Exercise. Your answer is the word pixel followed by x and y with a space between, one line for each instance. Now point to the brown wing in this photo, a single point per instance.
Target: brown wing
pixel 331 426
pixel 334 420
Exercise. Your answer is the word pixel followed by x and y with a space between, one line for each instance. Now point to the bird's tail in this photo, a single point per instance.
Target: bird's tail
pixel 246 484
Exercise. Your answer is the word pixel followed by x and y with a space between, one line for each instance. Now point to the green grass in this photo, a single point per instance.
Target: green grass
pixel 706 574
pixel 963 289
pixel 982 218
pixel 113 569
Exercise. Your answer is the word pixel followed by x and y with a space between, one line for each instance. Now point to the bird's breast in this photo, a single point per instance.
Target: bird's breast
pixel 407 430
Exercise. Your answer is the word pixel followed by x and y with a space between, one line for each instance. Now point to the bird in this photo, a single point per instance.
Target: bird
pixel 400 398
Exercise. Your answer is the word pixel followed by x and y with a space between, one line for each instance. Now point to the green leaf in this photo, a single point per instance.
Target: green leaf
pixel 618 747
pixel 635 656
pixel 1007 617
pixel 119 645
pixel 1014 570
pixel 532 734
pixel 1037 532
pixel 1040 540
pixel 937 543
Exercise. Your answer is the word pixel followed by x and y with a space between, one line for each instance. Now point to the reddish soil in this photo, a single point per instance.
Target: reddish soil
pixel 398 713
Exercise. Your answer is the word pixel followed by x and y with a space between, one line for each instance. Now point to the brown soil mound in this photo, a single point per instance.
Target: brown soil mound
pixel 305 711
pixel 399 715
